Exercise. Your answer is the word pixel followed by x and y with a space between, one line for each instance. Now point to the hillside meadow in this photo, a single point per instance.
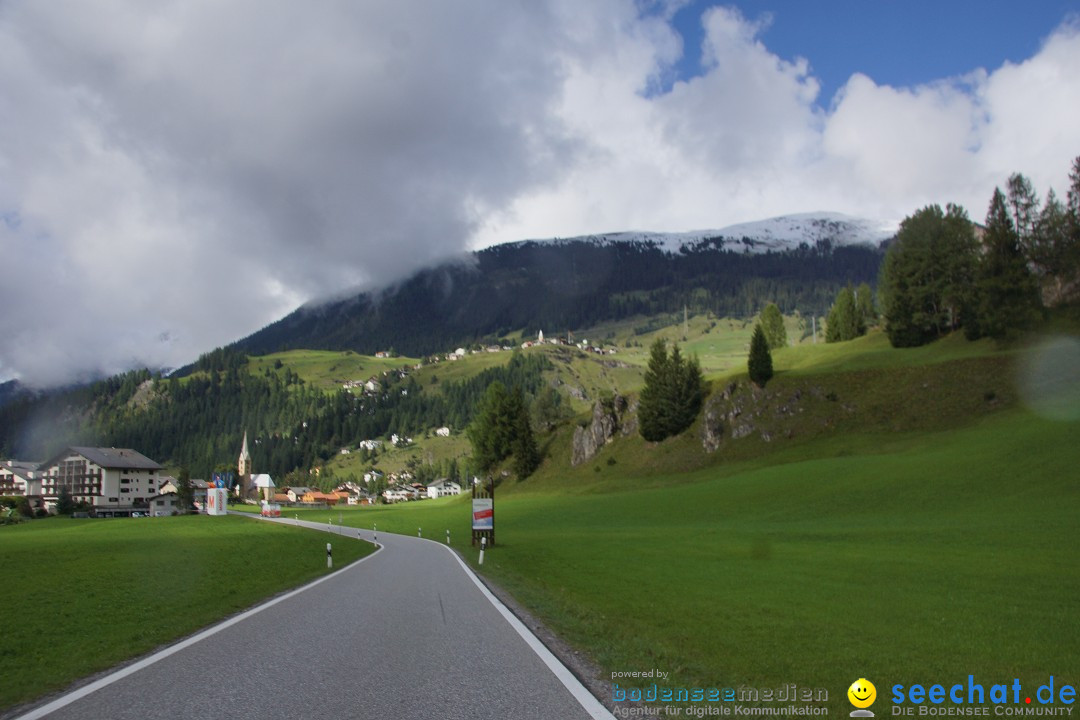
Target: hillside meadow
pixel 938 555
pixel 928 534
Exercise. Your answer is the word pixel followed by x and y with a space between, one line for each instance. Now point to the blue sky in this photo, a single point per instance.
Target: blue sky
pixel 896 42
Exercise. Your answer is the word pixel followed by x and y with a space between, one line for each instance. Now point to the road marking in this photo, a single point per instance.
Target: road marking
pixel 173 649
pixel 585 698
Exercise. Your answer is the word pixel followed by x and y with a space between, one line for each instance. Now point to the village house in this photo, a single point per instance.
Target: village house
pixel 296 493
pixel 443 488
pixel 163 505
pixel 400 493
pixel 19 477
pixel 315 497
pixel 443 432
pixel 263 485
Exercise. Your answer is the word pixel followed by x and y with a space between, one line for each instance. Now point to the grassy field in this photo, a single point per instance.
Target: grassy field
pixel 326 369
pixel 925 532
pixel 935 556
pixel 83 595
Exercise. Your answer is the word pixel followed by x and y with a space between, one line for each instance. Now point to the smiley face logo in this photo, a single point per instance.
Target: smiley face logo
pixel 862 693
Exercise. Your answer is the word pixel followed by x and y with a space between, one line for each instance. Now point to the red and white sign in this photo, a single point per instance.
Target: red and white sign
pixel 483 514
pixel 217 501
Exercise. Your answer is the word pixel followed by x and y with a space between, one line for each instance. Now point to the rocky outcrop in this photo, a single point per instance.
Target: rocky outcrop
pixel 606 420
pixel 743 409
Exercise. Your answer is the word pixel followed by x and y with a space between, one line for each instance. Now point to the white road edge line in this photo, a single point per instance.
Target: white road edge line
pixel 172 649
pixel 585 698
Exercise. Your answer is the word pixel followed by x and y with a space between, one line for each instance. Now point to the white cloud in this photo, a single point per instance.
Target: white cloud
pixel 195 170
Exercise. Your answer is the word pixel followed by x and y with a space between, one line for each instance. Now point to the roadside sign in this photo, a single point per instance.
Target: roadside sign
pixel 483 514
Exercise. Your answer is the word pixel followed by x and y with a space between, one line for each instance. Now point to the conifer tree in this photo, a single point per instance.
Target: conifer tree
pixel 1008 293
pixel 772 322
pixel 844 322
pixel 523 444
pixel 491 432
pixel 653 411
pixel 759 363
pixel 184 492
pixel 673 394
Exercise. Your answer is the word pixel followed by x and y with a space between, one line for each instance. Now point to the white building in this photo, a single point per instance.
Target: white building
pixel 443 432
pixel 114 481
pixel 401 493
pixel 18 477
pixel 443 488
pixel 164 505
pixel 264 486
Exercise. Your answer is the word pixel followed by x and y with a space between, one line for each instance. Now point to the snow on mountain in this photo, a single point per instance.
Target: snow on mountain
pixel 780 233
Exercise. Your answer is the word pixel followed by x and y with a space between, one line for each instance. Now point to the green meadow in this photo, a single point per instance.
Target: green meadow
pixel 84 595
pixel 327 369
pixel 927 533
pixel 936 556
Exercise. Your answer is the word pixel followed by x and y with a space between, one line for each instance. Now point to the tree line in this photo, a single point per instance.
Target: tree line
pixel 945 273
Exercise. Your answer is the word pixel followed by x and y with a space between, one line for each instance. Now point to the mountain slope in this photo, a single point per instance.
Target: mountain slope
pixel 799 262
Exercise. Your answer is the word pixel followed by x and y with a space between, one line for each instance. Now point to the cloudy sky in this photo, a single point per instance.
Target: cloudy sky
pixel 175 175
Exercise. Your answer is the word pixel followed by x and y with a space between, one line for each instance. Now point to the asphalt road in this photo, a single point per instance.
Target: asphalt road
pixel 405 633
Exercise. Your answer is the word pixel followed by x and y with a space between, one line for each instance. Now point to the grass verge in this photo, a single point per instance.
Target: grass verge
pixel 84 595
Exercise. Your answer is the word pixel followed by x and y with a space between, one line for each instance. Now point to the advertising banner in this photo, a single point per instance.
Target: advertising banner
pixel 483 514
pixel 217 501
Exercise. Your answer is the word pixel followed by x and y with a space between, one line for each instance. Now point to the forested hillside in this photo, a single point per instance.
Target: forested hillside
pixel 199 421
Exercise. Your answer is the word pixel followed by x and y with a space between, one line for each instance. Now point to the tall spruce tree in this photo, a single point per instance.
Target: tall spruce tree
pixel 502 429
pixel 491 432
pixel 772 323
pixel 1008 292
pixel 844 322
pixel 654 408
pixel 523 443
pixel 759 364
pixel 185 494
pixel 673 394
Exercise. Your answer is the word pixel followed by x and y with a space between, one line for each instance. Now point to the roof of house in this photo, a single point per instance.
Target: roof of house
pixel 109 458
pixel 19 468
pixel 20 465
pixel 263 481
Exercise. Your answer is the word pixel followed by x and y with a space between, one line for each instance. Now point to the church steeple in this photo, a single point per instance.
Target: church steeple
pixel 244 464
